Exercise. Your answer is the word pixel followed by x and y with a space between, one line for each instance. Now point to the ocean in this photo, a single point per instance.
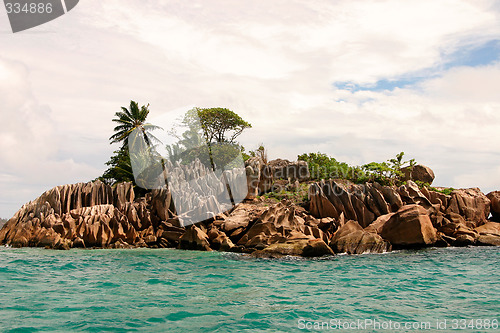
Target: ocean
pixel 168 290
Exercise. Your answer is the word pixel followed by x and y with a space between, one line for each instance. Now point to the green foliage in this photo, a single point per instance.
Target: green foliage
pixel 119 168
pixel 221 124
pixel 130 119
pixel 260 152
pixel 321 166
pixel 388 173
pixel 446 190
pixel 297 196
pixel 119 165
pixel 210 135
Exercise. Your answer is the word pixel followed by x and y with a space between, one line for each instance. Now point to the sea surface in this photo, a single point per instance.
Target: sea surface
pixel 167 290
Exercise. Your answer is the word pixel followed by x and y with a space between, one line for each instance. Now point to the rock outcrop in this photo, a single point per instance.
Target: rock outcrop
pixel 342 218
pixel 351 238
pixel 409 226
pixel 261 176
pixel 420 173
pixel 494 198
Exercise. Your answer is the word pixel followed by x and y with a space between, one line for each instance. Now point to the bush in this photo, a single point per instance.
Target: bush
pixel 321 166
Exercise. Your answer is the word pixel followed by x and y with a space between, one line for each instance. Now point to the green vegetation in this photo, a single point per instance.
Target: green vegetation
pixel 260 152
pixel 297 195
pixel 322 166
pixel 133 118
pixel 218 128
pixel 446 190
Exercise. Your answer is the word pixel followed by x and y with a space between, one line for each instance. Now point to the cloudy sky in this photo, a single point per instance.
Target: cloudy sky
pixel 359 80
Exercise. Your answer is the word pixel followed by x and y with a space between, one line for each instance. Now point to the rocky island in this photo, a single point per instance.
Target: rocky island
pixel 337 216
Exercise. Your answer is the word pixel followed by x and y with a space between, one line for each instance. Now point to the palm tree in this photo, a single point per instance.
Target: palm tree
pixel 130 120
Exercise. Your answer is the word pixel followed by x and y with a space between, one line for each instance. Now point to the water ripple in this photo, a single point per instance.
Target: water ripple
pixel 158 290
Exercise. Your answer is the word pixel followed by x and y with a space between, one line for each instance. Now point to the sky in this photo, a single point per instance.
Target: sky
pixel 358 80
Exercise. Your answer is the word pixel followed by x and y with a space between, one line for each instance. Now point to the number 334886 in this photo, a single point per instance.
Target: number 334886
pixel 28 8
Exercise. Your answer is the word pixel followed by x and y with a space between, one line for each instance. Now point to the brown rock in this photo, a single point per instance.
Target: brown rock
pixel 495 205
pixel 297 247
pixel 464 240
pixel 194 239
pixel 488 240
pixel 222 243
pixel 78 242
pixel 391 196
pixel 320 206
pixel 352 239
pixel 470 203
pixel 419 172
pixel 239 218
pixel 263 230
pixel 409 226
pixel 490 228
pixel 316 248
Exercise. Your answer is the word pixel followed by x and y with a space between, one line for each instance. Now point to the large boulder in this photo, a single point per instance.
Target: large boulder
pixel 194 239
pixel 409 226
pixel 419 173
pixel 352 239
pixel 295 247
pixel 284 169
pixel 495 205
pixel 239 218
pixel 490 228
pixel 470 203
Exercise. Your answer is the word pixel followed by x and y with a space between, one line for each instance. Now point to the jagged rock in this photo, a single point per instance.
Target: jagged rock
pixel 378 224
pixel 316 233
pixel 464 240
pixel 352 239
pixel 282 215
pixel 490 228
pixel 252 170
pixel 382 207
pixel 78 242
pixel 419 172
pixel 161 202
pixel 172 236
pixel 470 203
pixel 150 239
pixel 441 199
pixel 284 169
pixel 258 233
pixel 488 240
pixel 495 205
pixel 410 225
pixel 239 218
pixel 296 247
pixel 122 193
pixel 320 206
pixel 221 242
pixel 194 239
pixel 49 239
pixel 361 203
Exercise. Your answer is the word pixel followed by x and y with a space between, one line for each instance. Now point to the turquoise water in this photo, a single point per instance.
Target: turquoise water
pixel 186 291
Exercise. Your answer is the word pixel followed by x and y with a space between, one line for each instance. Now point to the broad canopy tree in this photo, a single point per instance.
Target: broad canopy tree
pixel 210 136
